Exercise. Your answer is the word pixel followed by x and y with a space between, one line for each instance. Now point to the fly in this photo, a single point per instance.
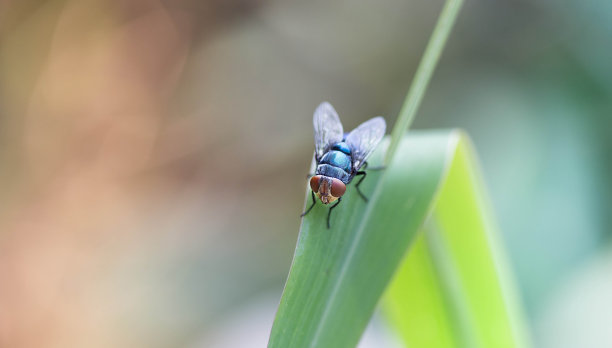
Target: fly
pixel 339 157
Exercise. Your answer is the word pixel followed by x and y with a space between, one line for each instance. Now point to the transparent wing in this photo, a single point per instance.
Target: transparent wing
pixel 327 129
pixel 363 140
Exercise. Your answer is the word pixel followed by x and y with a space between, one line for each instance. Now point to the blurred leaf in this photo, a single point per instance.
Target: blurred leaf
pixel 453 289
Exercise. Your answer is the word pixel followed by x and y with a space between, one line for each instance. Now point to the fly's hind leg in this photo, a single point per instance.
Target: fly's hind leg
pixel 363 175
pixel 314 201
pixel 365 166
pixel 330 210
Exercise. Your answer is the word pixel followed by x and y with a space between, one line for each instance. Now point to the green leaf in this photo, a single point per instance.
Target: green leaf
pixel 339 274
pixel 449 291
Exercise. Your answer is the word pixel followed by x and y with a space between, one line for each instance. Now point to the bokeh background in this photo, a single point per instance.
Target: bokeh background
pixel 153 155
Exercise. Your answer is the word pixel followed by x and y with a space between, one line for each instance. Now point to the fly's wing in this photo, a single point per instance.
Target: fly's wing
pixel 363 140
pixel 327 129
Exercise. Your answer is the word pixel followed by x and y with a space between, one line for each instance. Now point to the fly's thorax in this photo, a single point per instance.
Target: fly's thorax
pixel 328 189
pixel 342 147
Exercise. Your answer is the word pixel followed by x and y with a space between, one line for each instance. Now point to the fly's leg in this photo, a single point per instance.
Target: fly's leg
pixel 365 166
pixel 359 183
pixel 314 200
pixel 363 175
pixel 330 210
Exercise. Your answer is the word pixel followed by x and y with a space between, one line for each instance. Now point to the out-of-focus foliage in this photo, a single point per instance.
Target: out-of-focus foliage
pixel 152 153
pixel 454 289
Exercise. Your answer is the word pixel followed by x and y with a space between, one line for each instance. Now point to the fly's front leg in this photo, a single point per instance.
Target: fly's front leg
pixel 314 201
pixel 330 210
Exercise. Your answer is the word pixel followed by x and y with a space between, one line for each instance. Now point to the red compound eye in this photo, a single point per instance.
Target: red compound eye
pixel 338 188
pixel 314 183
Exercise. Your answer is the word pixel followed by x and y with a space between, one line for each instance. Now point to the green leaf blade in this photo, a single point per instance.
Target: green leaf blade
pixel 338 275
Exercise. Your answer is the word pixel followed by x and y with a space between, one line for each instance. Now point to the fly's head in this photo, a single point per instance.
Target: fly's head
pixel 328 189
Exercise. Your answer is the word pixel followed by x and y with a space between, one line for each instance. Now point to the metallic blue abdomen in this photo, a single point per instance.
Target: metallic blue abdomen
pixel 337 163
pixel 337 159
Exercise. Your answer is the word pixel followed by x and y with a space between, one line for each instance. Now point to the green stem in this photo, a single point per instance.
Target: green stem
pixel 423 74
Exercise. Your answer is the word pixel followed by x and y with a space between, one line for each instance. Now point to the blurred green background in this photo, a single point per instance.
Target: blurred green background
pixel 153 155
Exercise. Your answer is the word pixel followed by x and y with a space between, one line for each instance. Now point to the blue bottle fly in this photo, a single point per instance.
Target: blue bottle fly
pixel 339 157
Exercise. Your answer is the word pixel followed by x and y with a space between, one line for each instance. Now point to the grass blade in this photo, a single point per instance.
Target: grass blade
pixel 452 289
pixel 423 74
pixel 338 275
